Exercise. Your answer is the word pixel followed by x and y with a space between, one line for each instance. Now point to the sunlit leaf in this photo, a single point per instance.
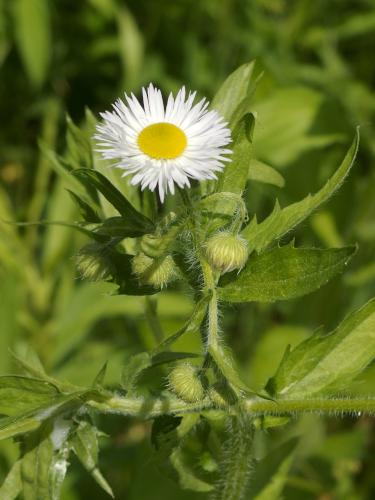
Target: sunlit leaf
pixel 283 220
pixel 284 273
pixel 324 363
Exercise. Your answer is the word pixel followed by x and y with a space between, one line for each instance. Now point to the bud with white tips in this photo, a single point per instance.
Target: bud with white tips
pixel 226 251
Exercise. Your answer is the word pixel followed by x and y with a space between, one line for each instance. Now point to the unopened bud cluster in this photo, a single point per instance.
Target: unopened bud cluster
pixel 226 251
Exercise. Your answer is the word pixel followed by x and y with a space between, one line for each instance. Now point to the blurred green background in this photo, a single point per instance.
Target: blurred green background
pixel 61 56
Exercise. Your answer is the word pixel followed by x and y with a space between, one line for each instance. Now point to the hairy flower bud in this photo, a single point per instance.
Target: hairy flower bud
pixel 227 252
pixel 185 382
pixel 93 262
pixel 154 272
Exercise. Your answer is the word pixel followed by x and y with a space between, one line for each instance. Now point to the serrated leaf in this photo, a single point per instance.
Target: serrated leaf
pixel 135 219
pixel 33 38
pixel 234 176
pixel 235 90
pixel 284 273
pixel 261 172
pixel 324 363
pixel 281 221
pixel 85 446
pixel 271 473
pixel 12 485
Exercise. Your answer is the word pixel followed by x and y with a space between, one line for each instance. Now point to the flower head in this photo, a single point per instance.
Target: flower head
pixel 163 145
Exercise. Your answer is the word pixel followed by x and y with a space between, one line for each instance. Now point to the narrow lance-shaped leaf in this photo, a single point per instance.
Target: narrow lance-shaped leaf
pixel 326 363
pixel 271 473
pixel 235 89
pixel 33 38
pixel 281 221
pixel 234 176
pixel 261 172
pixel 12 485
pixel 284 273
pixel 85 446
pixel 135 219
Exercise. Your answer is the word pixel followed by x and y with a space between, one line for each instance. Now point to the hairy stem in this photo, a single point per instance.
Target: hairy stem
pixel 254 407
pixel 235 466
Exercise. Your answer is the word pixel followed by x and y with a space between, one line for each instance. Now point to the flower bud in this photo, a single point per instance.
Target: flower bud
pixel 154 272
pixel 185 382
pixel 227 252
pixel 93 262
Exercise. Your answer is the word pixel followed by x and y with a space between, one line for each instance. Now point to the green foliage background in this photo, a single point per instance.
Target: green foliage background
pixel 318 85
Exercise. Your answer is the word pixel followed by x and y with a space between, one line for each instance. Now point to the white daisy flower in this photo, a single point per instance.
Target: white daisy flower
pixel 162 145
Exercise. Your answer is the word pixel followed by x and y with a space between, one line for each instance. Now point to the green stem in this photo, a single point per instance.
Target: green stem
pixel 254 407
pixel 212 340
pixel 236 461
pixel 153 320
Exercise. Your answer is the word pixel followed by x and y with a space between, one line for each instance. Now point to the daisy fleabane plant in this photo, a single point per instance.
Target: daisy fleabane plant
pixel 162 145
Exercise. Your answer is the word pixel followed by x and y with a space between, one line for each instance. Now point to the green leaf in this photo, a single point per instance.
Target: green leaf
pixel 326 363
pixel 85 446
pixel 187 476
pixel 33 418
pixel 271 473
pixel 226 366
pixel 192 325
pixel 135 219
pixel 284 273
pixel 133 369
pixel 19 394
pixel 33 37
pixel 79 150
pixel 235 93
pixel 15 426
pixel 11 487
pixel 131 46
pixel 281 221
pixel 35 467
pixel 234 176
pixel 165 357
pixel 124 277
pixel 88 213
pixel 99 379
pixel 286 117
pixel 120 227
pixel 261 172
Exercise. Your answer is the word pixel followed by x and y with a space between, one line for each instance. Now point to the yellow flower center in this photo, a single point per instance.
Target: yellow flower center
pixel 162 141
